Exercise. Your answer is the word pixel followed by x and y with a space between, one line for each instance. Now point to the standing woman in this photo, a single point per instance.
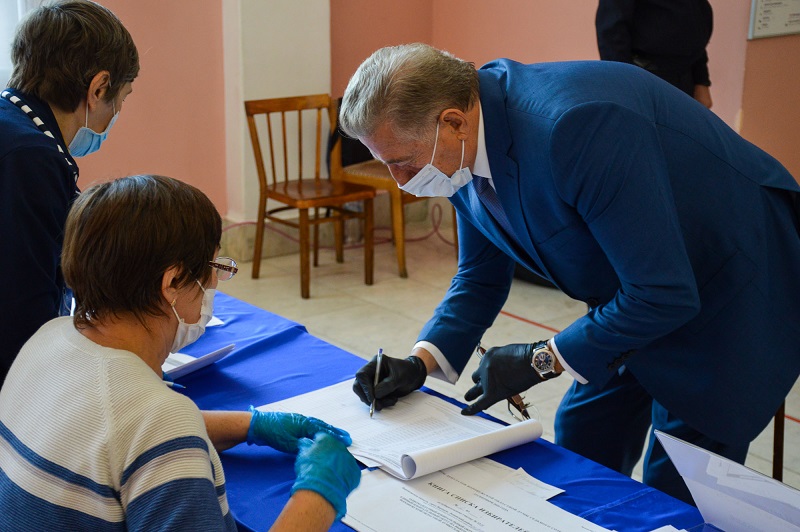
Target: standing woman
pixel 74 63
pixel 90 436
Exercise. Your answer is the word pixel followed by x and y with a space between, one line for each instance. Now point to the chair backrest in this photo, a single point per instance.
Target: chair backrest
pixel 294 112
pixel 349 150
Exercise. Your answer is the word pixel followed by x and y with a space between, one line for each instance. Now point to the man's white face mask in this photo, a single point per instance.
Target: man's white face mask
pixel 432 182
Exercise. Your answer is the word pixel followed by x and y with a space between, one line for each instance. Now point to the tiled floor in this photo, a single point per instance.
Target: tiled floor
pixel 358 318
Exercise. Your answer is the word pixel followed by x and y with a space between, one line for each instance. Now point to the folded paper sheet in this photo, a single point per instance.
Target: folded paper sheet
pixel 419 435
pixel 178 364
pixel 471 496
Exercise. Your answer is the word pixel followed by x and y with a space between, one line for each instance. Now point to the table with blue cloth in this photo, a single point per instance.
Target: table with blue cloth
pixel 276 358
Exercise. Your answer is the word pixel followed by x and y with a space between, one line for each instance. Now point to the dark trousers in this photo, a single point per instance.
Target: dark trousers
pixel 610 426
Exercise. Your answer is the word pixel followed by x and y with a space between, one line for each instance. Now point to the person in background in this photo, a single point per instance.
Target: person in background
pixel 73 66
pixel 665 37
pixel 91 438
pixel 682 238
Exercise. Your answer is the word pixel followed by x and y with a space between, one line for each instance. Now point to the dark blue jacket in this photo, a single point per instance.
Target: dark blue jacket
pixel 37 186
pixel 681 236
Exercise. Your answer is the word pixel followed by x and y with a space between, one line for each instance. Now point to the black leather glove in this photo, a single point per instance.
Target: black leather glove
pixel 398 378
pixel 503 372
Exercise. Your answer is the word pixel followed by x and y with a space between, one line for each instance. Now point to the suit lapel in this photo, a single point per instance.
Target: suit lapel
pixel 505 171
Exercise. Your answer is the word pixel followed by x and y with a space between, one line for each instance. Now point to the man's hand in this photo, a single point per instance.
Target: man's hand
pixel 398 378
pixel 503 372
pixel 703 95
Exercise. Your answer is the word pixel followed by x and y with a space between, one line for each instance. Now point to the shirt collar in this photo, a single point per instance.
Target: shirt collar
pixel 481 166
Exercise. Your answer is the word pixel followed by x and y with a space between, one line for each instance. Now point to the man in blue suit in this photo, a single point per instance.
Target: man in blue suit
pixel 682 238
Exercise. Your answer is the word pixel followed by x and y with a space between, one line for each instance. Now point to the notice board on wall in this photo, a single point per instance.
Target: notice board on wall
pixel 771 18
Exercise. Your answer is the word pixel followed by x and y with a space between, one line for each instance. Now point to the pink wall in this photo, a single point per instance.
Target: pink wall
pixel 173 124
pixel 726 57
pixel 525 30
pixel 771 104
pixel 528 31
pixel 359 27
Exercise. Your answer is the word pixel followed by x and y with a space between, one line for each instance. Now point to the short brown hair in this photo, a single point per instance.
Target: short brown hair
pixel 59 47
pixel 121 236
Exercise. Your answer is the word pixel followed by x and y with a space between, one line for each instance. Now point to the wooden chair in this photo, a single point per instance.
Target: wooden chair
pixel 298 186
pixel 375 174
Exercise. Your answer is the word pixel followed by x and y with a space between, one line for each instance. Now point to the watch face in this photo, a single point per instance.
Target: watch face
pixel 543 361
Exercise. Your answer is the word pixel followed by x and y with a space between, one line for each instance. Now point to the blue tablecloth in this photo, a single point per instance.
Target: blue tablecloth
pixel 276 358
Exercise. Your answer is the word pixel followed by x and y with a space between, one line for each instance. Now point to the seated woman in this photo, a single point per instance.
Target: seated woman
pixel 90 436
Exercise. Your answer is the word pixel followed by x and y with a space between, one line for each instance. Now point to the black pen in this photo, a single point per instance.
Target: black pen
pixel 377 379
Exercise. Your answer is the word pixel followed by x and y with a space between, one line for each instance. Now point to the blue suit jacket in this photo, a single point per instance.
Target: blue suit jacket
pixel 681 236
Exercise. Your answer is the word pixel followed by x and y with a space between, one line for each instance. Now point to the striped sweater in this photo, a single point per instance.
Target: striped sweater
pixel 91 438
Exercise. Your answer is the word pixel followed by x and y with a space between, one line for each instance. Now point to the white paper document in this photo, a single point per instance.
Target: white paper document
pixel 463 498
pixel 178 364
pixel 730 496
pixel 518 478
pixel 419 435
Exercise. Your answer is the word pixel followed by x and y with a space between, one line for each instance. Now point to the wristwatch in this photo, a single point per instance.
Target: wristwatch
pixel 544 361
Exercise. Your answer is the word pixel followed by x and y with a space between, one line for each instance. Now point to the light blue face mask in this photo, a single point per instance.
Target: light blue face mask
pixel 432 182
pixel 88 141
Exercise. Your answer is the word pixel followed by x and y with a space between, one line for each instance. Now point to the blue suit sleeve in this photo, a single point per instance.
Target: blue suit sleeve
pixel 475 297
pixel 610 168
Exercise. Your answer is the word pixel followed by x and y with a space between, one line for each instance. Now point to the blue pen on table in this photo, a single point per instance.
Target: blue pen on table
pixel 377 379
pixel 174 385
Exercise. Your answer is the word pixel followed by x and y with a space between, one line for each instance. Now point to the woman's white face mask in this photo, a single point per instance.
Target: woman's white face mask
pixel 188 333
pixel 432 182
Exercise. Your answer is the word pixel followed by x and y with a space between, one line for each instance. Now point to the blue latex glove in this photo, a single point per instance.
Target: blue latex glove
pixel 326 467
pixel 281 431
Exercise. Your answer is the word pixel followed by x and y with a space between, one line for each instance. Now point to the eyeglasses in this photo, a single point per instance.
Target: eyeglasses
pixel 225 266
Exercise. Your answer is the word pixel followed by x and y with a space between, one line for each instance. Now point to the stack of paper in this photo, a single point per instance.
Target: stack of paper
pixel 432 475
pixel 479 495
pixel 419 435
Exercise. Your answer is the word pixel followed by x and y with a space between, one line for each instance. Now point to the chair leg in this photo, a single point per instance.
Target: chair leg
pixel 338 235
pixel 262 205
pixel 455 231
pixel 398 229
pixel 777 443
pixel 316 237
pixel 305 269
pixel 369 242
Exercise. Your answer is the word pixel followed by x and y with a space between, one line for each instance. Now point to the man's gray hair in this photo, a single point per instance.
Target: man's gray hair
pixel 406 86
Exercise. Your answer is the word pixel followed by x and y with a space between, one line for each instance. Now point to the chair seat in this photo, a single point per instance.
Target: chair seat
pixel 373 169
pixel 311 193
pixel 376 174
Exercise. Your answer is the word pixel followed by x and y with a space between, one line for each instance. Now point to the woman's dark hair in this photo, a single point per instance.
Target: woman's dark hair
pixel 120 238
pixel 59 47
